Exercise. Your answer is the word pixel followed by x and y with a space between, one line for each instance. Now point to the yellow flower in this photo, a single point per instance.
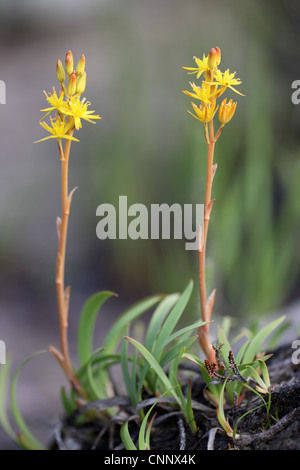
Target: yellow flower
pixel 204 113
pixel 58 129
pixel 226 111
pixel 200 93
pixel 78 110
pixel 202 66
pixel 226 80
pixel 57 103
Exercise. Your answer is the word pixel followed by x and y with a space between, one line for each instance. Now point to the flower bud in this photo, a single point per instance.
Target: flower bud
pixel 226 111
pixel 60 73
pixel 81 83
pixel 81 65
pixel 71 89
pixel 69 63
pixel 213 59
pixel 218 55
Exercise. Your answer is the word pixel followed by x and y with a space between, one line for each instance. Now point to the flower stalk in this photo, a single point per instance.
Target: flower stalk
pixel 69 109
pixel 214 84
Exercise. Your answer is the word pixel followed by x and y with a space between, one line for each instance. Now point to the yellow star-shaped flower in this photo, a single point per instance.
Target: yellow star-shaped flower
pixel 57 102
pixel 202 66
pixel 77 109
pixel 59 129
pixel 226 80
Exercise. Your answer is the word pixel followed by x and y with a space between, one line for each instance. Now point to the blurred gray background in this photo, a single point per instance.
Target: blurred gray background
pixel 149 148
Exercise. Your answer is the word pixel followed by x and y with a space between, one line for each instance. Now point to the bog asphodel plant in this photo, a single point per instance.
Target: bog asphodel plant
pixel 209 103
pixel 66 111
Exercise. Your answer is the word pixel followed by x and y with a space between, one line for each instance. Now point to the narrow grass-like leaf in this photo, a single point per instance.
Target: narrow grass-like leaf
pixel 116 332
pixel 68 404
pixel 182 331
pixel 256 343
pixel 174 315
pixel 155 365
pixel 93 386
pixel 148 433
pixel 4 420
pixel 175 350
pixel 220 412
pixel 27 436
pixel 241 352
pixel 158 318
pixel 129 380
pixel 265 373
pixel 87 324
pixel 126 438
pixel 254 374
pixel 190 418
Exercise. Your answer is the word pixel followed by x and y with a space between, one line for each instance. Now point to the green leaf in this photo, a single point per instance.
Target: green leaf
pixel 116 332
pixel 87 324
pixel 254 374
pixel 144 437
pixel 4 378
pixel 220 412
pixel 174 315
pixel 256 343
pixel 126 438
pixel 129 380
pixel 155 365
pixel 25 433
pixel 265 373
pixel 157 319
pixel 178 333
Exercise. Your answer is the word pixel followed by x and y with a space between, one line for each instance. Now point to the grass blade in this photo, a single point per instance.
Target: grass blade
pixel 155 365
pixel 116 332
pixel 256 343
pixel 87 324
pixel 157 319
pixel 27 436
pixel 126 438
pixel 175 315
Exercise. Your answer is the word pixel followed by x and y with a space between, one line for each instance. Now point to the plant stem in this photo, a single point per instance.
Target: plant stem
pixel 204 335
pixel 62 293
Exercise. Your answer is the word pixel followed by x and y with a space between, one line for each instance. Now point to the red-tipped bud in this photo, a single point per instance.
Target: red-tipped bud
pixel 69 63
pixel 60 73
pixel 81 83
pixel 218 55
pixel 71 89
pixel 213 59
pixel 81 65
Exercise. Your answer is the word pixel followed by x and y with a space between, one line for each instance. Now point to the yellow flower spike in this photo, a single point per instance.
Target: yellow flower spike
pixel 69 63
pixel 78 110
pixel 204 113
pixel 71 88
pixel 81 65
pixel 226 111
pixel 81 84
pixel 58 129
pixel 202 66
